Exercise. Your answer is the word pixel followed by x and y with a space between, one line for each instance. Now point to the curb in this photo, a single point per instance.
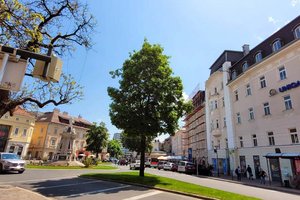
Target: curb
pixel 286 190
pixel 152 187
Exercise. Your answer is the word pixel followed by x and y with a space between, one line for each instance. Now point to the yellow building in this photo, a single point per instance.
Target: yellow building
pixel 51 129
pixel 16 131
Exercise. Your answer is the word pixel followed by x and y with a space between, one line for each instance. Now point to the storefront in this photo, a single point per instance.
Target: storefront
pixel 284 167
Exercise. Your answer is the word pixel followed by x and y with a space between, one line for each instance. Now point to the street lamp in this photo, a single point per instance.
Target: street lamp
pixel 216 151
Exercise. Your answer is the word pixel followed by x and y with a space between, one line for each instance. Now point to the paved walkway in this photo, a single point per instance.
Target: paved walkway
pixel 256 183
pixel 8 192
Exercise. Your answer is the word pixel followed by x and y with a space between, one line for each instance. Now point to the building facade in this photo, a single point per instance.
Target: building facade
pixel 262 109
pixel 196 130
pixel 178 143
pixel 58 135
pixel 16 132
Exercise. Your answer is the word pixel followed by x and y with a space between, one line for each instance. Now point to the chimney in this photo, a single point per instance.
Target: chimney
pixel 65 113
pixel 246 49
pixel 56 110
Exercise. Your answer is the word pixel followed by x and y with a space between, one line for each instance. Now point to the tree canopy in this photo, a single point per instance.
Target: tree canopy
pixel 97 138
pixel 114 148
pixel 44 26
pixel 130 142
pixel 149 100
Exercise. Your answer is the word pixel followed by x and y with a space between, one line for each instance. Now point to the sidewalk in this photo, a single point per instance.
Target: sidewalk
pixel 256 183
pixel 9 192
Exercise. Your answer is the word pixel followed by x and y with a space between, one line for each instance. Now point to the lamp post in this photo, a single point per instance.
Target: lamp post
pixel 216 151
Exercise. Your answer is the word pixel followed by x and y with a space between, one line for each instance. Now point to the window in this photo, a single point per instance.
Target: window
pixel 248 89
pixel 55 131
pixel 251 114
pixel 294 136
pixel 11 149
pixel 217 123
pixel 216 90
pixel 216 104
pixel 233 75
pixel 297 32
pixel 16 131
pixel 276 45
pixel 271 138
pixel 222 85
pixel 287 102
pixel 282 73
pixel 236 94
pixel 24 133
pixel 245 66
pixel 20 150
pixel 258 57
pixel 267 108
pixel 53 142
pixel 241 142
pixel 223 102
pixel 17 119
pixel 224 121
pixel 238 118
pixel 254 139
pixel 262 82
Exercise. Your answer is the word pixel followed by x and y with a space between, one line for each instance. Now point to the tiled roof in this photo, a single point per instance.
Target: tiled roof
pixel 20 111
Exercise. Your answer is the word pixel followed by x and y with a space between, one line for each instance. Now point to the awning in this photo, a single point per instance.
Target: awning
pixel 282 155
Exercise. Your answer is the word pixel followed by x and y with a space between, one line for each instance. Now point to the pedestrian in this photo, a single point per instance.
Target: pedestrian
pixel 238 173
pixel 262 175
pixel 249 170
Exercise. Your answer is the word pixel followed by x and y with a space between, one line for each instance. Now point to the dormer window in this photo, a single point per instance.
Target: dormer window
pixel 297 32
pixel 233 76
pixel 276 45
pixel 258 57
pixel 245 66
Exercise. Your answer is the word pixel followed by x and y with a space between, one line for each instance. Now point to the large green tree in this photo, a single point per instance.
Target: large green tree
pixel 130 142
pixel 45 27
pixel 149 100
pixel 114 148
pixel 97 138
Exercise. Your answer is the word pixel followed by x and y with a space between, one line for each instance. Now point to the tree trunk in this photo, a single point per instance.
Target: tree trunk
pixel 143 148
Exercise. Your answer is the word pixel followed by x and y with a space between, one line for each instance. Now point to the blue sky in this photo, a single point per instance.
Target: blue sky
pixel 193 32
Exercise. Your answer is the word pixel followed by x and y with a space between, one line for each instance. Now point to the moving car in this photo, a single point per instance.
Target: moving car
pixel 186 167
pixel 11 162
pixel 135 164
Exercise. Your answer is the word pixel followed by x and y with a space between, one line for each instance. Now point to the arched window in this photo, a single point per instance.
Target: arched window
pixel 297 32
pixel 258 57
pixel 276 45
pixel 245 66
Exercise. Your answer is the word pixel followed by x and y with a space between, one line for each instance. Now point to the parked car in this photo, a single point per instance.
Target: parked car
pixel 123 162
pixel 160 164
pixel 186 167
pixel 11 162
pixel 135 164
pixel 148 163
pixel 168 166
pixel 174 167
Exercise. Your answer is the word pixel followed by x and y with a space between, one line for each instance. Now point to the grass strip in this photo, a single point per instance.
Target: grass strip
pixel 169 184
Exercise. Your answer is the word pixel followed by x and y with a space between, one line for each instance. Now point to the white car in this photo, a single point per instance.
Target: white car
pixel 168 166
pixel 11 162
pixel 135 164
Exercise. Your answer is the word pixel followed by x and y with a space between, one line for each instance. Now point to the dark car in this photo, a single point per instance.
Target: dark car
pixel 161 164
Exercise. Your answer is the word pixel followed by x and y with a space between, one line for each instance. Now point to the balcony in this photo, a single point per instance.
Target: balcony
pixel 216 132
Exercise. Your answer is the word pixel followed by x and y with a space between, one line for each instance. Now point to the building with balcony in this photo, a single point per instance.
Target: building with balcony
pixel 16 131
pixel 58 135
pixel 261 98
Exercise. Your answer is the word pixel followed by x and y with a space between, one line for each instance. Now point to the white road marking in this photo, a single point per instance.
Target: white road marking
pixel 97 191
pixel 66 185
pixel 144 195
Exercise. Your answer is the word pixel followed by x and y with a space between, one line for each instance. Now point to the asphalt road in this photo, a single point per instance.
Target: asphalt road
pixel 65 184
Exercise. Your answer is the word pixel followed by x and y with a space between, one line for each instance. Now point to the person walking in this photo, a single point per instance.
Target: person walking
pixel 263 175
pixel 238 173
pixel 249 170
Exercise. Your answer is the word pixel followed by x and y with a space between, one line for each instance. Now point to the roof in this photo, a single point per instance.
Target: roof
pixel 63 118
pixel 20 111
pixel 285 34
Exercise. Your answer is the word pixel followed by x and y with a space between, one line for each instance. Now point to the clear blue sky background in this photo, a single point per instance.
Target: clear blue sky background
pixel 193 32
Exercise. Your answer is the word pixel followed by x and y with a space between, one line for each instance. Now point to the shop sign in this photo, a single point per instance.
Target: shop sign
pixel 289 86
